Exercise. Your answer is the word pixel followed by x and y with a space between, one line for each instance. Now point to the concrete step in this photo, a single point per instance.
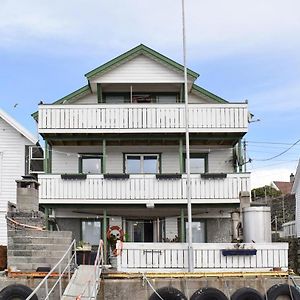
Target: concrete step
pixel 35 233
pixel 29 267
pixel 38 240
pixel 37 247
pixel 16 260
pixel 45 252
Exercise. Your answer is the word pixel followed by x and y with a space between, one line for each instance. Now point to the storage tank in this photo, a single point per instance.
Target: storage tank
pixel 257 224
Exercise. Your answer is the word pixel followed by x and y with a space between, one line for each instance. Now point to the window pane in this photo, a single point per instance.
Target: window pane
pixel 91 232
pixel 150 164
pixel 167 99
pixel 198 231
pixel 197 165
pixel 115 99
pixel 91 165
pixel 133 164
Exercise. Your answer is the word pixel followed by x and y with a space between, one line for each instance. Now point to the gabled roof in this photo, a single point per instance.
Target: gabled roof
pixel 284 187
pixel 141 49
pixel 12 122
pixel 200 90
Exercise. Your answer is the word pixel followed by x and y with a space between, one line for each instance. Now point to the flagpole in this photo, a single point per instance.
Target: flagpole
pixel 187 150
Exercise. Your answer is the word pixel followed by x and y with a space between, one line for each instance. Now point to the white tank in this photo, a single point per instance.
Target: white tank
pixel 257 224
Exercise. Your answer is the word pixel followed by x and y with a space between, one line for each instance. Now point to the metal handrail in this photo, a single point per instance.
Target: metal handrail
pixel 93 285
pixel 60 272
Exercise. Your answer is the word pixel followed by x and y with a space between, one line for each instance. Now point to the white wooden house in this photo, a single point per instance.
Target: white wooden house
pixel 115 154
pixel 14 155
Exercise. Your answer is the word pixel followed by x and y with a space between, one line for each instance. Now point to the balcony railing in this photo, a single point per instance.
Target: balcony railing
pixel 126 118
pixel 208 257
pixel 141 189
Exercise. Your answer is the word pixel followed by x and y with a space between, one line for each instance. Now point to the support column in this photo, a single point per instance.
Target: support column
pixel 104 236
pixel 99 93
pixel 240 156
pixel 181 169
pixel 49 159
pixel 47 218
pixel 182 227
pixel 103 156
pixel 46 157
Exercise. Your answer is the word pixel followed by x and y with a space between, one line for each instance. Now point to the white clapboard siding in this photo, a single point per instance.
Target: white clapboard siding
pixel 141 189
pixel 140 69
pixel 207 257
pixel 130 118
pixel 12 160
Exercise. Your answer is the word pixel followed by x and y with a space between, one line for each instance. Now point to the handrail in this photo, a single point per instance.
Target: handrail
pixel 61 273
pixel 93 285
pixel 24 225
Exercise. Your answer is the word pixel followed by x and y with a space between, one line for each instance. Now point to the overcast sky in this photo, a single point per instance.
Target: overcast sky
pixel 242 50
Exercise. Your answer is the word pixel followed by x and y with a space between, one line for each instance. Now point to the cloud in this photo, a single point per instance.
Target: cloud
pixel 279 98
pixel 214 28
pixel 265 176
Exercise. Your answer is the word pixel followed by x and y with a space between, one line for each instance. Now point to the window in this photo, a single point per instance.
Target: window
pixel 198 163
pixel 198 231
pixel 90 163
pixel 141 163
pixel 167 99
pixel 91 231
pixel 145 230
pixel 36 160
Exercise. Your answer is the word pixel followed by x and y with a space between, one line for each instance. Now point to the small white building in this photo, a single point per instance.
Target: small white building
pixel 296 191
pixel 14 155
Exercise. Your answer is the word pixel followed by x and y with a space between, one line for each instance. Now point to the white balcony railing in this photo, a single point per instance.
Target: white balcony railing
pixel 126 118
pixel 141 189
pixel 208 257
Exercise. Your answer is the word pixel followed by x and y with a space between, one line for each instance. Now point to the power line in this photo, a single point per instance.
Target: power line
pixel 281 153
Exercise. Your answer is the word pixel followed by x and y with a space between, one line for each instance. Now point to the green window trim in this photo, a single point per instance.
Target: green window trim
pixel 83 156
pixel 196 155
pixel 159 167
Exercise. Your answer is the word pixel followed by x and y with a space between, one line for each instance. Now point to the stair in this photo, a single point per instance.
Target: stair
pixel 30 249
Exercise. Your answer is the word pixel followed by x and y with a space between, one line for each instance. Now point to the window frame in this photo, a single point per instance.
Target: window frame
pixel 90 156
pixel 91 220
pixel 125 167
pixel 196 155
pixel 185 227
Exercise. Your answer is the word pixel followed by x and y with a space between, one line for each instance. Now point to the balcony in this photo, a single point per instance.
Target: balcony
pixel 142 118
pixel 141 189
pixel 208 257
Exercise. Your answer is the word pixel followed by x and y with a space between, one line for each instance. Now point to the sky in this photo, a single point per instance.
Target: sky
pixel 243 50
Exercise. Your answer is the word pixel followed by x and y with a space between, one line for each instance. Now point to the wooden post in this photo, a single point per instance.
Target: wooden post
pixel 46 157
pixel 104 230
pixel 182 226
pixel 181 170
pixel 103 156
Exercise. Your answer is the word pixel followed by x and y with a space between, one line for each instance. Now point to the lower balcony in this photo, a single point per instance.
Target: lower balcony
pixel 149 189
pixel 207 257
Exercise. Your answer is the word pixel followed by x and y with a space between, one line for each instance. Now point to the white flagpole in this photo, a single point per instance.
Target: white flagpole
pixel 187 150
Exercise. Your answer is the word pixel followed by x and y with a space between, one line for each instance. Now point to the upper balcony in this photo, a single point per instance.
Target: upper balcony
pixel 142 118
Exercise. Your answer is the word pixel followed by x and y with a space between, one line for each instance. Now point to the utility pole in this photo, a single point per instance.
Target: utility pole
pixel 187 150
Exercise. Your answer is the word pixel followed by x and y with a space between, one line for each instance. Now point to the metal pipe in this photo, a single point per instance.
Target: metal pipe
pixel 187 150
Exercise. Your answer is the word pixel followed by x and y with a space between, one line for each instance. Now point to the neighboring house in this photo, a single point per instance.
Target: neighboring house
pixel 296 191
pixel 285 187
pixel 14 157
pixel 115 154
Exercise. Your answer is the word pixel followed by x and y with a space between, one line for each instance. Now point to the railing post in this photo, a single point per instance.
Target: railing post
pixel 46 289
pixel 104 235
pixel 60 287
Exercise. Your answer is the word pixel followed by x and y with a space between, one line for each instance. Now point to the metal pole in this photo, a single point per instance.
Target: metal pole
pixel 187 150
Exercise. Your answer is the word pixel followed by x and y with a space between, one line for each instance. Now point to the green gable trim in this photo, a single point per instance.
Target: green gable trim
pixel 141 49
pixel 205 92
pixel 67 98
pixel 74 94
